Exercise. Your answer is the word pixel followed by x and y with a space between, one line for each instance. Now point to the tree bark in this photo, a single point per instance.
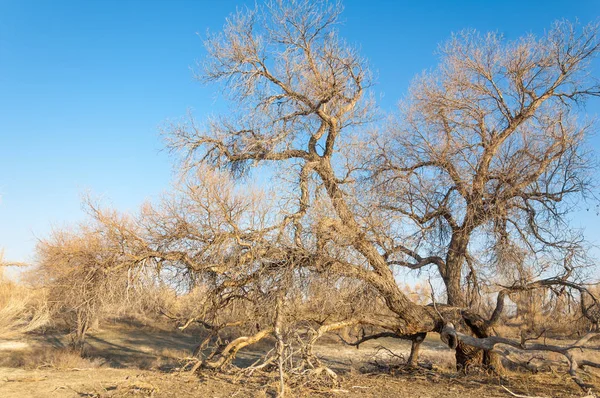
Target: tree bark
pixel 466 356
pixel 415 318
pixel 280 343
pixel 417 340
pixel 451 271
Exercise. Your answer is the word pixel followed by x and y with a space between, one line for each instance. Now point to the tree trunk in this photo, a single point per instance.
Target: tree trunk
pixel 81 328
pixel 417 340
pixel 280 344
pixel 452 270
pixel 413 318
pixel 466 356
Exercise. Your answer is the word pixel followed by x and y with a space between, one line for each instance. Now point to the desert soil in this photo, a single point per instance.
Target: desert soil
pixel 141 362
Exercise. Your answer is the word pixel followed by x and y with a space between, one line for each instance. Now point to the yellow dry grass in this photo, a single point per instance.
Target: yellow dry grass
pixel 22 309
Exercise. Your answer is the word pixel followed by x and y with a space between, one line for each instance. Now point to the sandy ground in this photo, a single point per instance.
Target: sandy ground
pixel 135 383
pixel 141 362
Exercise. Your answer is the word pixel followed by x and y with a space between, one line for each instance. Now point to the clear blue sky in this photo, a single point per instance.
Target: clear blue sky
pixel 85 85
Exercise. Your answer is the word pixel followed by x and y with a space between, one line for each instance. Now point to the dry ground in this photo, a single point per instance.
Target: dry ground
pixel 136 361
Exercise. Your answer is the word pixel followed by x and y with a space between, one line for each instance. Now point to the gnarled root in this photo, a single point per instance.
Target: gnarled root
pixel 225 354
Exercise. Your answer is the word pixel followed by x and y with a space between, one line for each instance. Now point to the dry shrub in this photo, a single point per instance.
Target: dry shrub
pixel 140 307
pixel 54 358
pixel 22 309
pixel 85 276
pixel 189 304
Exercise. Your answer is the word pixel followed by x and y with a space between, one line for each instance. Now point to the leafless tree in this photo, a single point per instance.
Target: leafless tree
pixel 487 157
pixel 491 142
pixel 300 98
pixel 298 88
pixel 252 282
pixel 490 145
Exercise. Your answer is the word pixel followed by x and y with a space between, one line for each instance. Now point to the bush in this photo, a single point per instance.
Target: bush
pixel 22 309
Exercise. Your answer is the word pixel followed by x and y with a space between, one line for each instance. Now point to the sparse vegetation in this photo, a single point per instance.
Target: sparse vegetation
pixel 225 280
pixel 22 309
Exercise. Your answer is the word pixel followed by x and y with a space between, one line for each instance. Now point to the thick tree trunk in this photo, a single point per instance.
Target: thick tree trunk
pixel 413 319
pixel 452 269
pixel 466 356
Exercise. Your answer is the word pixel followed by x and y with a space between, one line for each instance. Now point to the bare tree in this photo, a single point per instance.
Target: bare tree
pixel 298 89
pixel 487 157
pixel 300 95
pixel 490 145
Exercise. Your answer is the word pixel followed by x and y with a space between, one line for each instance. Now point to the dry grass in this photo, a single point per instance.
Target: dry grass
pixel 106 382
pixel 171 353
pixel 51 358
pixel 22 309
pixel 139 361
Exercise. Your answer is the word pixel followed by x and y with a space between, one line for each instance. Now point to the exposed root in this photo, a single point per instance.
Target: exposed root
pixel 491 343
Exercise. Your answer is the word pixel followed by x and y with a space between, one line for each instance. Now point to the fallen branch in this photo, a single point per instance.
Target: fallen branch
pixel 519 395
pixel 490 343
pixel 226 355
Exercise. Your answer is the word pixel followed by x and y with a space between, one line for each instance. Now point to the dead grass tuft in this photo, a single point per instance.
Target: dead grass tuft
pixel 53 358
